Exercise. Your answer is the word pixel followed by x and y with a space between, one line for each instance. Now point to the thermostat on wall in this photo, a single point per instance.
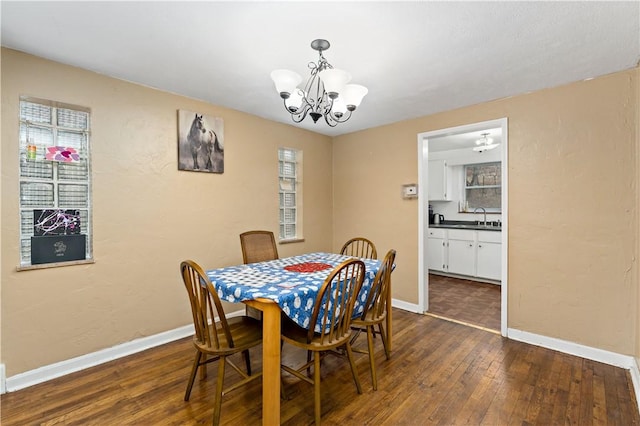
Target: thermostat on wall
pixel 410 190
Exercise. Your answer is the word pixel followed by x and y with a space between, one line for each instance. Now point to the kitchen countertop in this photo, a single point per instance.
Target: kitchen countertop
pixel 464 224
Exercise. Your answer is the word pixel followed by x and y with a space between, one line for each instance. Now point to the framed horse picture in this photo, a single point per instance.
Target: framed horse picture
pixel 200 142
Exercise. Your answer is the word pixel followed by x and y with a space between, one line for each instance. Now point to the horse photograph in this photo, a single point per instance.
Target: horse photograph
pixel 200 142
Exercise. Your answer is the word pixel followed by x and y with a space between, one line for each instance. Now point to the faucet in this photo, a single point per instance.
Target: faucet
pixel 485 214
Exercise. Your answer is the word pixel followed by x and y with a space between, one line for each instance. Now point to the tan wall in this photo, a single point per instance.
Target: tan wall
pixel 148 216
pixel 573 210
pixel 573 162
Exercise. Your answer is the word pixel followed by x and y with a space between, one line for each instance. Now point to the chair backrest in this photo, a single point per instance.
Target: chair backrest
pixel 333 308
pixel 205 307
pixel 258 246
pixel 376 303
pixel 359 247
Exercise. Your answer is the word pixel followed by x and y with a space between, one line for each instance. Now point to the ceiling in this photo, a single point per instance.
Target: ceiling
pixel 416 58
pixel 465 140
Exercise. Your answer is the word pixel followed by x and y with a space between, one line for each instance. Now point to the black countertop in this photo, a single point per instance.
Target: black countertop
pixel 466 224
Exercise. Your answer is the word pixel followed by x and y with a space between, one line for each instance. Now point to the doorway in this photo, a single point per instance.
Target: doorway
pixel 460 139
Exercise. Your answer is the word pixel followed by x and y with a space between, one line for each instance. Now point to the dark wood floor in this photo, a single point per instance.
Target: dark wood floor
pixel 440 373
pixel 470 302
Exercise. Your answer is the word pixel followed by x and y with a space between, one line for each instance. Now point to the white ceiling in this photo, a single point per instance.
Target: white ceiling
pixel 416 58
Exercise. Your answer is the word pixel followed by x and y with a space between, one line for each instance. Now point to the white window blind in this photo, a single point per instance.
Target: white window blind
pixel 46 184
pixel 288 190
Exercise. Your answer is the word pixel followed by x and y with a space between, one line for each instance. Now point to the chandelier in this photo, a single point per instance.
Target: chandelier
pixel 485 143
pixel 326 93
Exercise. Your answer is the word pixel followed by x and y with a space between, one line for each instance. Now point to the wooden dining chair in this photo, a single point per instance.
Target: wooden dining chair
pixel 375 313
pixel 359 247
pixel 329 325
pixel 216 337
pixel 257 246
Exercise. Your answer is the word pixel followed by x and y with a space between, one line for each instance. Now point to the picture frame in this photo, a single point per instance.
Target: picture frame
pixel 200 142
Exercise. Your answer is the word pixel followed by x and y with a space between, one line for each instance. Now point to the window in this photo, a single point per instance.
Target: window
pixel 289 188
pixel 483 186
pixel 47 184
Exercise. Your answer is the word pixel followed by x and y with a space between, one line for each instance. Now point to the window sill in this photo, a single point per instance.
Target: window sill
pixel 292 240
pixel 54 265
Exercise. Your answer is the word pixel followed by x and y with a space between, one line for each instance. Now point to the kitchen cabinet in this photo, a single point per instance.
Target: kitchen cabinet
pixel 436 249
pixel 489 255
pixel 462 252
pixel 439 182
pixel 465 252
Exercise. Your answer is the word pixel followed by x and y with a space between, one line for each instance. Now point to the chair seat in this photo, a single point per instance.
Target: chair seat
pixel 297 336
pixel 246 332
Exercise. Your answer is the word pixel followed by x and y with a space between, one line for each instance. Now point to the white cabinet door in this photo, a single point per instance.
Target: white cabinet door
pixel 438 180
pixel 436 249
pixel 489 263
pixel 462 257
pixel 436 253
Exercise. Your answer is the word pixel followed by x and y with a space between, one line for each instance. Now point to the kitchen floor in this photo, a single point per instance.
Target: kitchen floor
pixel 465 301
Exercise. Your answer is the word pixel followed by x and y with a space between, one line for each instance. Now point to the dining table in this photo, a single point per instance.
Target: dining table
pixel 287 285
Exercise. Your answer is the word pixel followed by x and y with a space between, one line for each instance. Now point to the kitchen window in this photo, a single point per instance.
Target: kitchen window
pixel 290 193
pixel 483 186
pixel 55 176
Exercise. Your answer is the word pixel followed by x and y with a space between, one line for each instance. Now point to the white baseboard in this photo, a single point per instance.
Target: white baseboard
pixel 571 348
pixel 3 380
pixel 401 304
pixel 48 372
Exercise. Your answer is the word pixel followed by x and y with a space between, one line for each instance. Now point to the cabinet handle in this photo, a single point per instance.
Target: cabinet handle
pixel 470 245
pixel 479 245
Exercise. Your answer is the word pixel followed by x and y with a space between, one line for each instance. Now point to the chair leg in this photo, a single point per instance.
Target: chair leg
pixel 372 361
pixel 354 371
pixel 192 376
pixel 308 361
pixel 219 386
pixel 247 360
pixel 385 342
pixel 316 386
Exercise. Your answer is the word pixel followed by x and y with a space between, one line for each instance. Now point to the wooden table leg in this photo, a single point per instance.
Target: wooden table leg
pixel 270 361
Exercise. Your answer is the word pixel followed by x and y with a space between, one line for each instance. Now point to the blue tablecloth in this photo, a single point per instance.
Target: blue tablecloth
pixel 294 292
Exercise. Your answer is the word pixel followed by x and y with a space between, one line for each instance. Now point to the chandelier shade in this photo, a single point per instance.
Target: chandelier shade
pixel 286 81
pixel 325 94
pixel 334 81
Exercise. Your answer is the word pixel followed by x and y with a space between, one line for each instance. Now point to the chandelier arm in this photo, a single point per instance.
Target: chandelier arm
pixel 332 118
pixel 301 114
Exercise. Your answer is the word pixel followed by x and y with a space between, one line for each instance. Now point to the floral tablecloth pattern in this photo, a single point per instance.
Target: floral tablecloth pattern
pixel 295 292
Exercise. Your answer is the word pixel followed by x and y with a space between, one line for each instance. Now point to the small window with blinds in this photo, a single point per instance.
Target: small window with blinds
pixel 289 169
pixel 54 167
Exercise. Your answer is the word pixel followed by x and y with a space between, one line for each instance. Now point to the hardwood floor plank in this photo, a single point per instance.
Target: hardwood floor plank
pixel 466 301
pixel 440 372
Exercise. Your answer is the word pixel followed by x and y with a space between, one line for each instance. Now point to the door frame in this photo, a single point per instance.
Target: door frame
pixel 423 210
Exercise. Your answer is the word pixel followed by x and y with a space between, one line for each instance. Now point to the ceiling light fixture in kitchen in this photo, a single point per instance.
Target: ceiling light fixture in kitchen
pixel 326 93
pixel 485 143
